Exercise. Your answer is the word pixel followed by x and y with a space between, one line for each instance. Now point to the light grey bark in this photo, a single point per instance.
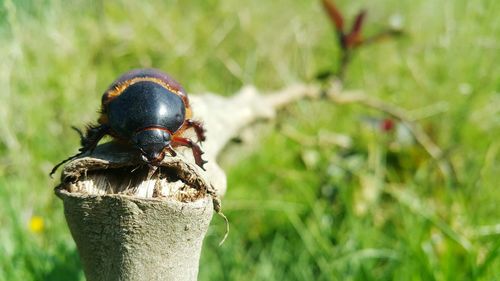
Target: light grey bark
pixel 126 238
pixel 130 222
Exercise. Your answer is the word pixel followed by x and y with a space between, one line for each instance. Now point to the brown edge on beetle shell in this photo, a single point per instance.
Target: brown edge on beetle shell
pixel 117 89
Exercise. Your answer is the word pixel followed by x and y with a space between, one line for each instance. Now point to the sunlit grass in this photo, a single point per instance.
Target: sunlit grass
pixel 299 209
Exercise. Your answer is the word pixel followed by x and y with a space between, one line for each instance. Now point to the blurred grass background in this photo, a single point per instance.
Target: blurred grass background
pixel 301 208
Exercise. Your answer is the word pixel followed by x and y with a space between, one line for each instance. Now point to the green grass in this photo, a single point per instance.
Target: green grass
pixel 299 210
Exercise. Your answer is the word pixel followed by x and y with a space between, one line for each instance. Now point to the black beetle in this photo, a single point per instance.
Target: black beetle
pixel 148 110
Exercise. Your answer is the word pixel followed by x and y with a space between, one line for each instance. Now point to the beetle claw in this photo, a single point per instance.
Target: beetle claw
pixel 198 129
pixel 171 151
pixel 203 162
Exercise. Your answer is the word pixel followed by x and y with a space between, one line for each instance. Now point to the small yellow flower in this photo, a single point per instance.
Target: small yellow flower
pixel 36 224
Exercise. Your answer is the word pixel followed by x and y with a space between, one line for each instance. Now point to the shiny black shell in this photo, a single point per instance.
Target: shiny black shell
pixel 143 105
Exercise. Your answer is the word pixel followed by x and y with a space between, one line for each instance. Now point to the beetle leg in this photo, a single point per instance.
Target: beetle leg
pixel 198 128
pixel 178 141
pixel 93 135
pixel 171 151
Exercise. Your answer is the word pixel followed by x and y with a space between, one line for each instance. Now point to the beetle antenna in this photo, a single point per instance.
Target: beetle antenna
pixel 89 142
pixel 65 161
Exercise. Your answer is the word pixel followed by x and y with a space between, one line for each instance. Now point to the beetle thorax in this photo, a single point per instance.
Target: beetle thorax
pixel 143 105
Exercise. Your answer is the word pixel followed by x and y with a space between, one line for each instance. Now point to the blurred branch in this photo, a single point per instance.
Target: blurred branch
pixel 278 99
pixel 337 95
pixel 434 151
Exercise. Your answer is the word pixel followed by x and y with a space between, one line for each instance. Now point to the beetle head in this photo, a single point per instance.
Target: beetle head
pixel 151 143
